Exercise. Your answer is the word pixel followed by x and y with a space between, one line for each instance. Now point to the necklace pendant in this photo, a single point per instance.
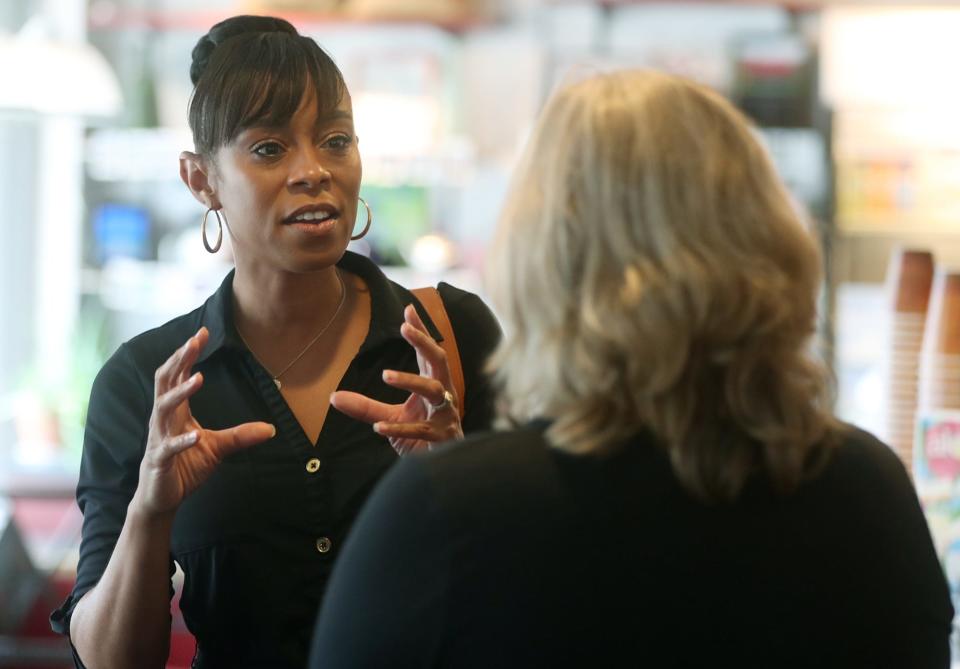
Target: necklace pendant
pixel 277 383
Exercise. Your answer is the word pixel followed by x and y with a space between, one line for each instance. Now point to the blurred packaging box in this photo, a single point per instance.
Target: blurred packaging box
pixel 439 11
pixel 311 6
pixel 936 470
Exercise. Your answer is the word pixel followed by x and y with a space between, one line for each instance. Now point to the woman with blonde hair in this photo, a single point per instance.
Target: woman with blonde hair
pixel 679 493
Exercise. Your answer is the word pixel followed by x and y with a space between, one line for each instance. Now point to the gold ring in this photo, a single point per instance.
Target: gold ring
pixel 446 402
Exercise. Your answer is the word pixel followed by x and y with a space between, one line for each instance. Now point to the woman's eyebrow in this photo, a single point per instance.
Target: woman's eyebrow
pixel 336 115
pixel 263 127
pixel 332 117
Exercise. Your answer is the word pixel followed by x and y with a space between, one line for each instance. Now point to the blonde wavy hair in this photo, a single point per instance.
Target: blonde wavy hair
pixel 652 273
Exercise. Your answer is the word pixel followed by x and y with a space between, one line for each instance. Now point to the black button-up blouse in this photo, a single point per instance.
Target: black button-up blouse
pixel 257 540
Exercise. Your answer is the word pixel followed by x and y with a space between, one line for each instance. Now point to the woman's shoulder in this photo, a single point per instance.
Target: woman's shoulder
pixel 468 313
pixel 134 362
pixel 463 302
pixel 861 454
pixel 861 475
pixel 143 353
pixel 152 347
pixel 496 449
pixel 468 308
pixel 861 465
pixel 482 475
pixel 474 324
pixel 491 468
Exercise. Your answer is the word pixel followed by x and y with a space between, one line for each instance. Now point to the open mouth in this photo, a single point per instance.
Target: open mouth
pixel 313 219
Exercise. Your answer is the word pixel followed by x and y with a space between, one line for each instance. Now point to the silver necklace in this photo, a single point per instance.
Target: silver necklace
pixel 276 377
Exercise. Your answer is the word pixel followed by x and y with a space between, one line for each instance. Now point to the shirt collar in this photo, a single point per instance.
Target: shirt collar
pixel 387 302
pixel 217 316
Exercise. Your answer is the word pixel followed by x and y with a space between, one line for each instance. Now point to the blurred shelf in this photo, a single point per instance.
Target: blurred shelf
pixel 161 290
pixel 201 20
pixel 793 5
pixel 131 155
pixel 890 225
pixel 136 154
pixel 54 481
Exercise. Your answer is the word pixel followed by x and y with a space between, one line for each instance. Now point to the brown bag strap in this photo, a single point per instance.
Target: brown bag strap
pixel 430 299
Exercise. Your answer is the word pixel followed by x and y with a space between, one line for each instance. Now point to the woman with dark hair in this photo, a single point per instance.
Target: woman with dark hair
pixel 211 441
pixel 678 492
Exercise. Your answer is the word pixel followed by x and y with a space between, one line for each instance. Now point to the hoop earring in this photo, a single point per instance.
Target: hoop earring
pixel 203 231
pixel 366 228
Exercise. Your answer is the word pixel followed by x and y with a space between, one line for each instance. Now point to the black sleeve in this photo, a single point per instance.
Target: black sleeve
pixel 903 566
pixel 387 599
pixel 926 597
pixel 114 440
pixel 478 334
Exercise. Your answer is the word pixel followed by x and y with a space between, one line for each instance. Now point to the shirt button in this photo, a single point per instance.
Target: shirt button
pixel 324 545
pixel 313 464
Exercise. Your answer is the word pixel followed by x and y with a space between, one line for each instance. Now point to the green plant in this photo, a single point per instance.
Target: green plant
pixel 64 394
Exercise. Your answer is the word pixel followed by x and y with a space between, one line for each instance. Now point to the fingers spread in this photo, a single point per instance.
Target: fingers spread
pixel 360 407
pixel 172 370
pixel 411 316
pixel 413 327
pixel 242 436
pixel 181 442
pixel 422 341
pixel 194 346
pixel 420 431
pixel 430 389
pixel 172 398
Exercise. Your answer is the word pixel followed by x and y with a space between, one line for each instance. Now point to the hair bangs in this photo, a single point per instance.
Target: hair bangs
pixel 260 80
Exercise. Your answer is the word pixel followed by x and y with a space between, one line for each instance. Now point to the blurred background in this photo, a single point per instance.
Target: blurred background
pixel 856 101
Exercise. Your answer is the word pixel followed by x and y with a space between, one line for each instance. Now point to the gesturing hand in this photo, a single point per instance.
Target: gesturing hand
pixel 429 414
pixel 180 454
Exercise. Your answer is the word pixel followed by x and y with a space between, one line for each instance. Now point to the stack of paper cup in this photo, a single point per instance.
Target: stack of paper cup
pixel 940 356
pixel 909 280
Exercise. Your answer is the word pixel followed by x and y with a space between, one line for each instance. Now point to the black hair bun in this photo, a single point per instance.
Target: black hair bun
pixel 235 25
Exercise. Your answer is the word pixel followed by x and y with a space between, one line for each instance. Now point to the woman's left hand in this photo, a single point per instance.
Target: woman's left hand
pixel 430 413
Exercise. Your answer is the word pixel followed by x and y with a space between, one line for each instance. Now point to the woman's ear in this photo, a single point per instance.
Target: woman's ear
pixel 195 173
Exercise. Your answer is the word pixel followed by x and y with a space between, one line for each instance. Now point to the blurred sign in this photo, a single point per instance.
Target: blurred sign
pixel 936 469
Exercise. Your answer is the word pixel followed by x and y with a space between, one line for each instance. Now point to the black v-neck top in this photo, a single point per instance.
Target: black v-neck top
pixel 503 552
pixel 257 540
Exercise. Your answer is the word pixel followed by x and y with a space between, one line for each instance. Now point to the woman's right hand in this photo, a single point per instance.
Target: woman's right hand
pixel 180 453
